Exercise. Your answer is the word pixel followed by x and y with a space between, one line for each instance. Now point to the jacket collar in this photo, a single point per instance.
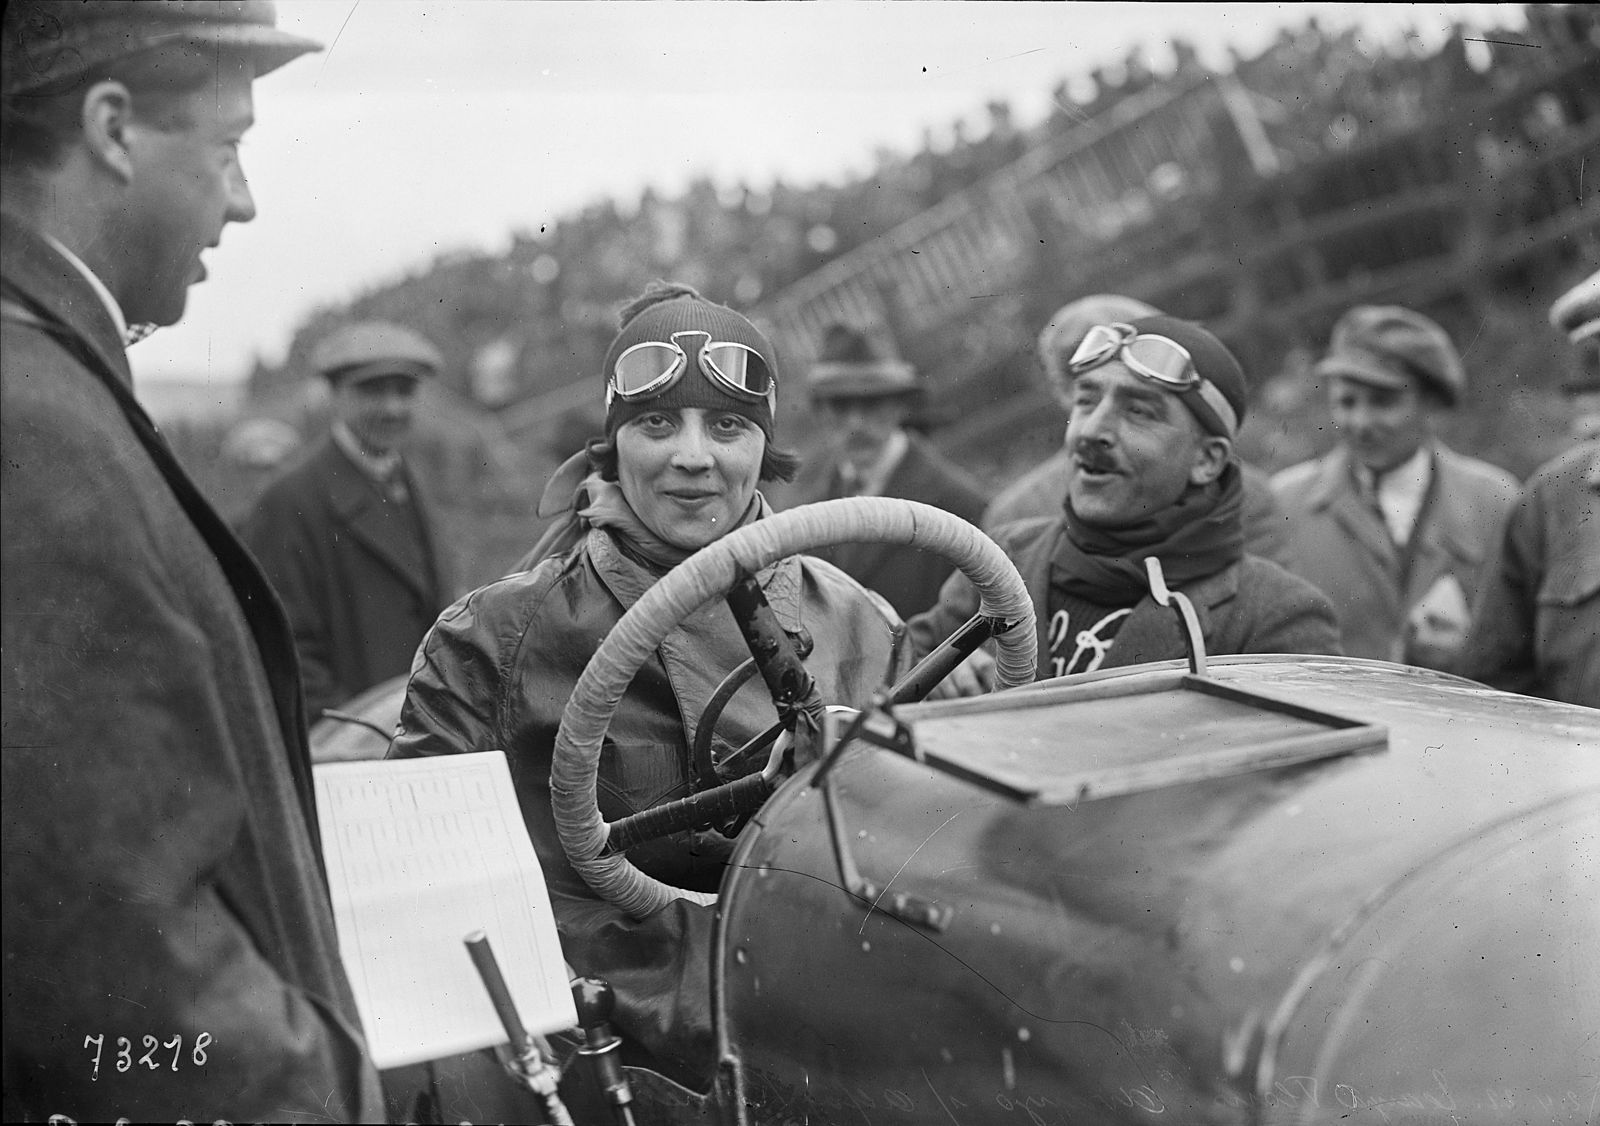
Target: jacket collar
pixel 1335 490
pixel 48 284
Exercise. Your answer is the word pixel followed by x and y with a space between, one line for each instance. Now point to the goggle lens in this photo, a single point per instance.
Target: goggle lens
pixel 645 368
pixel 739 367
pixel 1099 344
pixel 1156 357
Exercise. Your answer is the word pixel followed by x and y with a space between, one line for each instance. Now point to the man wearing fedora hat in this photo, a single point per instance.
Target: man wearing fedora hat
pixel 1391 524
pixel 1156 403
pixel 1536 621
pixel 345 534
pixel 865 399
pixel 169 944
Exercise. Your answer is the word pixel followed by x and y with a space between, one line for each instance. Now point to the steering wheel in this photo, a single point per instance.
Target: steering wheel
pixel 708 574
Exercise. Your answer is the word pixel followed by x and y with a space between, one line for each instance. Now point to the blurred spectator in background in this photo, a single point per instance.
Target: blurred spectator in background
pixel 864 400
pixel 1156 404
pixel 255 451
pixel 345 534
pixel 1043 489
pixel 1393 525
pixel 162 871
pixel 1536 621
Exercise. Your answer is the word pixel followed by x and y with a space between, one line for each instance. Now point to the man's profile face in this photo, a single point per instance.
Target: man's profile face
pixel 187 185
pixel 1382 426
pixel 861 426
pixel 378 410
pixel 1134 448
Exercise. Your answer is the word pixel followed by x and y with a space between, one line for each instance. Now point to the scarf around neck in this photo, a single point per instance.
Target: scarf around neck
pixel 1197 536
pixel 594 502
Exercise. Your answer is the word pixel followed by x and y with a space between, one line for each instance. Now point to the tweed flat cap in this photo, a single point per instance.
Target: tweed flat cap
pixel 50 43
pixel 368 349
pixel 1388 346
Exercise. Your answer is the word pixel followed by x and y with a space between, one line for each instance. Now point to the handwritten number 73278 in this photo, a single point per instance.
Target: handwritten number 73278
pixel 153 1045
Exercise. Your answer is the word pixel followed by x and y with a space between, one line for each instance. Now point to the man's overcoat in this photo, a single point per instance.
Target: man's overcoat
pixel 1338 540
pixel 908 577
pixel 1250 606
pixel 162 879
pixel 361 578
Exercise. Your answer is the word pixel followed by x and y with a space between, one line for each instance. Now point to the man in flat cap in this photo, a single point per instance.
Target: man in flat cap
pixel 345 534
pixel 169 945
pixel 865 399
pixel 1392 524
pixel 1156 403
pixel 1536 621
pixel 1043 489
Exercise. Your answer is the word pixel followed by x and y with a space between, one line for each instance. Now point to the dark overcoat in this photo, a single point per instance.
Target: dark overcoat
pixel 169 943
pixel 361 578
pixel 908 577
pixel 1250 606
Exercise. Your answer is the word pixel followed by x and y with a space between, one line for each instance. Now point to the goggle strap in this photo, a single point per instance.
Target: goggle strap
pixel 1217 403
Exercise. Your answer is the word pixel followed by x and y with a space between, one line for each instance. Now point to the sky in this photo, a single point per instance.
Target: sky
pixel 429 126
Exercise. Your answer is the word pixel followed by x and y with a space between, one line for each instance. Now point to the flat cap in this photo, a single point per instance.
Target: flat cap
pixel 1389 346
pixel 849 367
pixel 367 349
pixel 48 43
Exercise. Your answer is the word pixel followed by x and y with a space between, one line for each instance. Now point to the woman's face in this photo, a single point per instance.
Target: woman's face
pixel 689 473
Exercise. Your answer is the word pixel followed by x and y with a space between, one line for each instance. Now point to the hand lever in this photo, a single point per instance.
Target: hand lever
pixel 528 1064
pixel 595 1000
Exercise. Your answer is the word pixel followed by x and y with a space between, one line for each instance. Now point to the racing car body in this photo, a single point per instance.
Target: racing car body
pixel 1410 927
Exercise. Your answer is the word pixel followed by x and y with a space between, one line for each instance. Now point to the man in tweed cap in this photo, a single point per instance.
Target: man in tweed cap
pixel 169 943
pixel 1392 524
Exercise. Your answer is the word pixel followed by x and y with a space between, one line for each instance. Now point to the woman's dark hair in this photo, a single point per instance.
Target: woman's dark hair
pixel 37 125
pixel 776 464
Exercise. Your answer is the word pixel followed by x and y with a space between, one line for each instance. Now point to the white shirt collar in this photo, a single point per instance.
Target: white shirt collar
pixel 95 283
pixel 379 469
pixel 1401 492
pixel 871 481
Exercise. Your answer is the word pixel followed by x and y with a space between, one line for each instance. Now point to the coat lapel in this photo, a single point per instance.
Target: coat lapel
pixel 1336 492
pixel 357 504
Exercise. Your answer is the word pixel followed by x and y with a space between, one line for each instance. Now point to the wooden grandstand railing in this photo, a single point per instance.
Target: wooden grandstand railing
pixel 1177 197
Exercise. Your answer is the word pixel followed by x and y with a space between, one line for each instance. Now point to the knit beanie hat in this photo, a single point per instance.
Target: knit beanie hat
pixel 665 308
pixel 1215 364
